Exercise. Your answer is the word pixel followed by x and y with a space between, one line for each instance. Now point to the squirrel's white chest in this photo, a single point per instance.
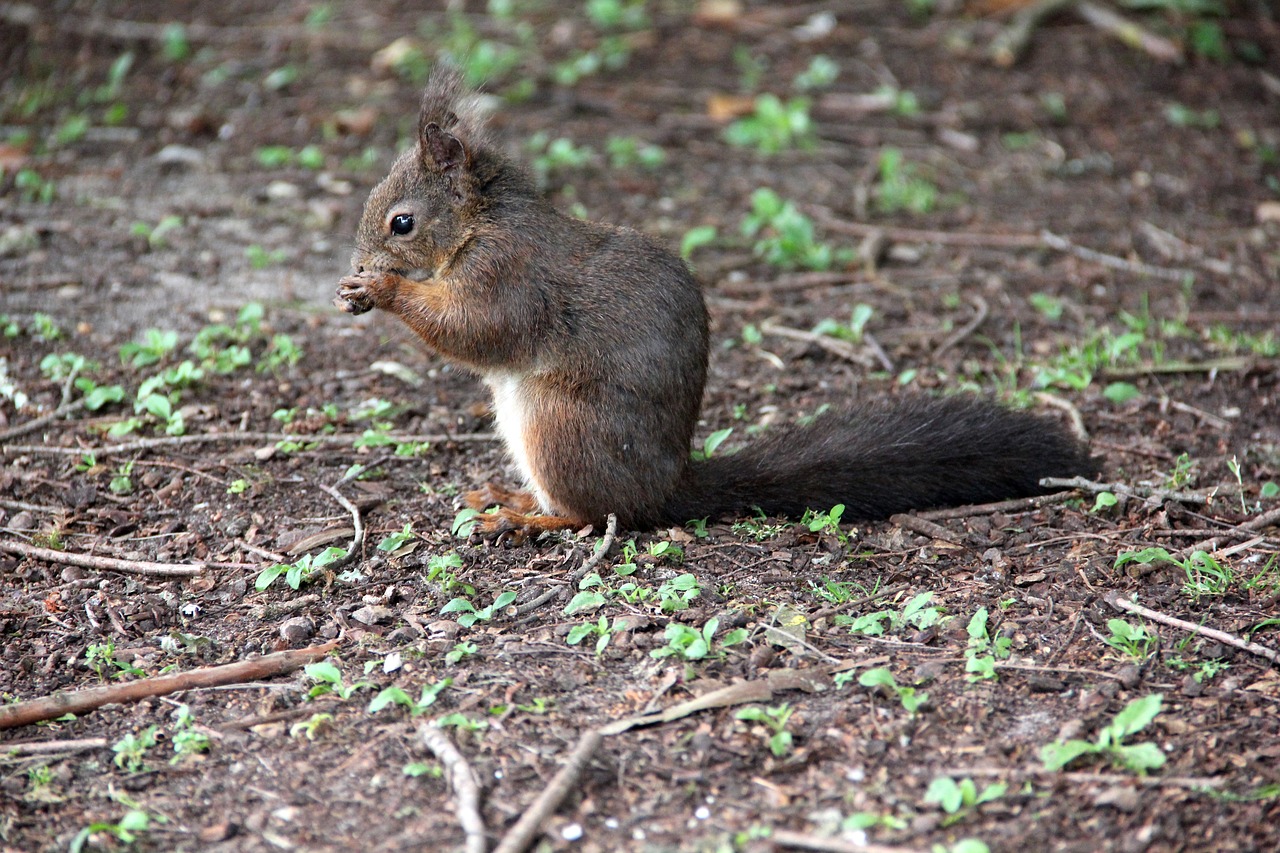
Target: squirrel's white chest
pixel 511 417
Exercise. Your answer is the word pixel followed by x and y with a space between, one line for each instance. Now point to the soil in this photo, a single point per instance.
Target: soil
pixel 161 212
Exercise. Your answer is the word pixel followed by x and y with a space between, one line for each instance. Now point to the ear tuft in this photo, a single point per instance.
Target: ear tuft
pixel 441 149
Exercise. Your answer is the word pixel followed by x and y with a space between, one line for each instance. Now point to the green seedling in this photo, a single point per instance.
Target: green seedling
pixel 131 749
pixel 1205 575
pixel 328 679
pixel 899 188
pixel 311 727
pixel 852 331
pixel 600 629
pixel 122 482
pixel 826 522
pixel 918 613
pixel 470 614
pixel 710 444
pixel 841 592
pixel 126 831
pixel 33 188
pixel 983 650
pixel 957 799
pixel 1134 640
pixel 462 723
pixel 282 352
pixel 690 644
pixel 44 328
pixel 155 235
pixel 1104 501
pixel 443 569
pixel 882 678
pixel 775 722
pixel 785 237
pixel 678 593
pixel 821 73
pixel 395 543
pixel 187 739
pixel 1180 115
pixel 303 571
pixel 553 155
pixel 773 126
pixel 626 152
pixel 415 769
pixel 397 696
pixel 101 658
pixel 695 238
pixel 461 650
pixel 1110 743
pixel 156 344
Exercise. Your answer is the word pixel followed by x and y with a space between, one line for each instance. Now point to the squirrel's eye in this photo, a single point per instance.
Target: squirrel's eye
pixel 401 224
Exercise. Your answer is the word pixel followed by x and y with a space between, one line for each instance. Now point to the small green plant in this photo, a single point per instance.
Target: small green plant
pixel 122 482
pixel 785 237
pixel 695 238
pixel 282 156
pixel 303 571
pixel 1183 473
pixel 678 593
pixel 282 352
pixel 156 344
pixel 460 650
pixel 187 739
pixel 775 722
pixel 882 678
pixel 463 723
pixel 774 126
pixel 328 679
pixel 155 235
pixel 1205 575
pixel 1110 743
pixel 600 629
pixel 34 188
pixel 260 258
pixel 899 188
pixel 126 830
pixel 311 727
pixel 393 542
pixel 626 152
pixel 710 444
pixel 852 331
pixel 918 613
pixel 1134 640
pixel 554 155
pixel 131 749
pixel 470 614
pixel 101 658
pixel 983 650
pixel 826 522
pixel 397 696
pixel 690 644
pixel 758 527
pixel 1180 115
pixel 821 72
pixel 957 799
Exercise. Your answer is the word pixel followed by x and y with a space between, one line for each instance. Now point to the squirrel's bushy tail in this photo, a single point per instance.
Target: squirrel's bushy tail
pixel 884 458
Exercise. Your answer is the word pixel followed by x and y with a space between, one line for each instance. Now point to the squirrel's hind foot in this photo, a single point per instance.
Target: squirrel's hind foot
pixel 517 527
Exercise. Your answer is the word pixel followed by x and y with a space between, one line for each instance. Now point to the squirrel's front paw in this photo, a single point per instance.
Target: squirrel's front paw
pixel 357 293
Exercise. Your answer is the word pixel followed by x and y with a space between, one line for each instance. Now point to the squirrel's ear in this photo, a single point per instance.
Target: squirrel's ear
pixel 442 151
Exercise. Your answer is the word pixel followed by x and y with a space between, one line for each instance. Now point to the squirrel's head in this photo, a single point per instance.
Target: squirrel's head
pixel 421 212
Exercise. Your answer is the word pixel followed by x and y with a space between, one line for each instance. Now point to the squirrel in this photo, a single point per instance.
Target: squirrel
pixel 593 340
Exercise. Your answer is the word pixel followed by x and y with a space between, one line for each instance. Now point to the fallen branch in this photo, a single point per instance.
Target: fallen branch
pixel 1011 42
pixel 80 701
pixel 1010 506
pixel 1062 244
pixel 37 423
pixel 835 346
pixel 1023 773
pixel 464 784
pixel 1258 522
pixel 925 527
pixel 46 747
pixel 520 836
pixel 1084 484
pixel 805 841
pixel 357 538
pixel 1123 604
pixel 233 438
pixel 1134 35
pixel 979 317
pixel 109 564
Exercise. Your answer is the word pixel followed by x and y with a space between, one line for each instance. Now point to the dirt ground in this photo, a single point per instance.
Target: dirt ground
pixel 1102 242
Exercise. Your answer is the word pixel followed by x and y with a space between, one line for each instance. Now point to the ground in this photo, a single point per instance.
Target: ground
pixel 1089 230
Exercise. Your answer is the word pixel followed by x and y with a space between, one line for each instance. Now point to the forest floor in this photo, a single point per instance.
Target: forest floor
pixel 1090 230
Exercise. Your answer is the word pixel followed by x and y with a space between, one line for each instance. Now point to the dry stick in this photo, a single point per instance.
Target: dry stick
pixel 33 425
pixel 1268 518
pixel 835 346
pixel 80 701
pixel 1213 633
pixel 357 539
pixel 233 437
pixel 1062 244
pixel 805 841
pixel 1010 43
pixel 463 781
pixel 518 838
pixel 44 747
pixel 1142 492
pixel 610 533
pixel 1010 506
pixel 1127 31
pixel 109 564
pixel 925 528
pixel 1192 782
pixel 968 329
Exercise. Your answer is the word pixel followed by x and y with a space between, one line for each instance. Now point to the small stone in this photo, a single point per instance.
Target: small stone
pixel 373 614
pixel 297 631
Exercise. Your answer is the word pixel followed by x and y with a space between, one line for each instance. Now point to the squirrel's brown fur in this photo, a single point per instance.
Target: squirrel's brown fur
pixel 593 340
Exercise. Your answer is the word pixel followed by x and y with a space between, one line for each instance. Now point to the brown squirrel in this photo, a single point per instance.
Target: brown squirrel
pixel 593 340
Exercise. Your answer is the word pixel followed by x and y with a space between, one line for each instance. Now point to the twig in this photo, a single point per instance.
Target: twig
pixel 1214 365
pixel 1132 34
pixel 1010 43
pixel 233 437
pixel 835 346
pixel 967 329
pixel 37 423
pixel 1084 484
pixel 80 701
pixel 925 527
pixel 45 747
pixel 805 841
pixel 1062 244
pixel 463 781
pixel 785 283
pixel 1127 606
pixel 109 564
pixel 606 542
pixel 1016 773
pixel 357 538
pixel 1010 506
pixel 919 235
pixel 1258 522
pixel 518 838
